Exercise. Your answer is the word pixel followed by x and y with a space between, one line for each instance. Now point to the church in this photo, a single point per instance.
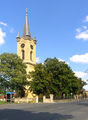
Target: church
pixel 26 49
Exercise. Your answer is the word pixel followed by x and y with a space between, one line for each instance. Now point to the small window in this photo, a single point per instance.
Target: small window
pixel 31 46
pixel 23 54
pixel 31 55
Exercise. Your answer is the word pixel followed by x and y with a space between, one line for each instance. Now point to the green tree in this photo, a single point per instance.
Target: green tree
pixel 54 77
pixel 2 88
pixel 38 83
pixel 12 74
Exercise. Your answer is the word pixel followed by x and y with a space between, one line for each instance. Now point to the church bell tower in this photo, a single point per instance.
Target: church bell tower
pixel 26 47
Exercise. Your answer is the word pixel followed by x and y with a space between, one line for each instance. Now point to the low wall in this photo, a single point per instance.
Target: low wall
pixel 34 100
pixel 24 100
pixel 48 100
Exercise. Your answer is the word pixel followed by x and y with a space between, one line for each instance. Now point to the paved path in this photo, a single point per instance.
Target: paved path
pixel 56 111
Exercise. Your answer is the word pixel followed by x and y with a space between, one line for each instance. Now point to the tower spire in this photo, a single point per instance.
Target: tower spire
pixel 26 31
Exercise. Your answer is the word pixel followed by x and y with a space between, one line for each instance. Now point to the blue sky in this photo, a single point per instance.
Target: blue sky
pixel 60 26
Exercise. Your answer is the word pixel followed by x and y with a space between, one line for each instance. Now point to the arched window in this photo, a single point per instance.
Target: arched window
pixel 31 55
pixel 23 54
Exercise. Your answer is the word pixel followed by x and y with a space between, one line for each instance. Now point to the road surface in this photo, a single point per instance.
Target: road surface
pixel 56 111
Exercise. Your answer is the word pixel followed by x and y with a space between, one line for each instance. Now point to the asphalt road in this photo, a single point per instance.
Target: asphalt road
pixel 56 111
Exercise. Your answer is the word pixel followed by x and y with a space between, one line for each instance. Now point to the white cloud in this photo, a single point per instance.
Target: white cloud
pixel 84 27
pixel 2 35
pixel 80 74
pixel 82 35
pixel 80 58
pixel 78 30
pixel 63 60
pixel 86 19
pixel 83 76
pixel 38 60
pixel 2 23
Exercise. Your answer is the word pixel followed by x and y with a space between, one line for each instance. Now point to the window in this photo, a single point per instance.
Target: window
pixel 23 54
pixel 31 46
pixel 31 55
pixel 22 45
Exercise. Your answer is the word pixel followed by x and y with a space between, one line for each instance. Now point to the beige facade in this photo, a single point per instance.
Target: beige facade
pixel 26 49
pixel 29 53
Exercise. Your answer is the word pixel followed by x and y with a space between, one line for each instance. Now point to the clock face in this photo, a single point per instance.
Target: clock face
pixel 22 45
pixel 31 46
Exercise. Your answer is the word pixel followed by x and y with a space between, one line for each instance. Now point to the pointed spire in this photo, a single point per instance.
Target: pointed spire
pixel 35 41
pixel 34 37
pixel 26 31
pixel 18 35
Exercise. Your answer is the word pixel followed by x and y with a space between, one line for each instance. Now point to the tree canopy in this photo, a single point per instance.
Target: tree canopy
pixel 54 77
pixel 12 74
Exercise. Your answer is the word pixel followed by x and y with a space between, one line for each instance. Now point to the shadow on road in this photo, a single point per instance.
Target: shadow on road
pixel 13 114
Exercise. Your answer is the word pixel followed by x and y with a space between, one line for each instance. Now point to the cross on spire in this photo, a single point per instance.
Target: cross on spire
pixel 26 12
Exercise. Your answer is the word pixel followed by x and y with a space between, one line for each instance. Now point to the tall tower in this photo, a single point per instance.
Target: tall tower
pixel 26 47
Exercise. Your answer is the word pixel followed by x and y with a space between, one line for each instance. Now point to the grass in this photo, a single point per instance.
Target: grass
pixel 2 102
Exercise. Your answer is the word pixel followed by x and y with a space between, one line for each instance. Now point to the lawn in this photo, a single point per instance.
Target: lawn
pixel 2 102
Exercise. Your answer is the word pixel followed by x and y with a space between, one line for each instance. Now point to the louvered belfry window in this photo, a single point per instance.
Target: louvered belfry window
pixel 23 54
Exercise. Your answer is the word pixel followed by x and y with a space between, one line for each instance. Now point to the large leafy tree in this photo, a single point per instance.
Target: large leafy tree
pixel 12 73
pixel 54 77
pixel 39 80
